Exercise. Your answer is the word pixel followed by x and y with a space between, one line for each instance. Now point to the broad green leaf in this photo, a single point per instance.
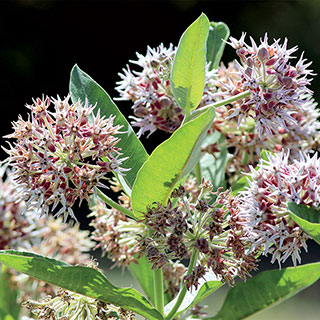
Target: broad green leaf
pixel 307 218
pixel 8 296
pixel 218 32
pixel 266 289
pixel 169 163
pixel 83 87
pixel 188 71
pixel 83 280
pixel 192 297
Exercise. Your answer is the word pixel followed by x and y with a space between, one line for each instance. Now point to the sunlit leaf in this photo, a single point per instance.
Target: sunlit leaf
pixel 169 163
pixel 188 71
pixel 83 280
pixel 266 289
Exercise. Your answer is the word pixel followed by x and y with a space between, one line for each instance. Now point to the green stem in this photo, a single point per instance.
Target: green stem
pixel 196 112
pixel 183 291
pixel 115 205
pixel 158 290
pixel 198 172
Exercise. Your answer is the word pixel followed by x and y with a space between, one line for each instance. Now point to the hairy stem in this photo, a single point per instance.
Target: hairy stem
pixel 183 291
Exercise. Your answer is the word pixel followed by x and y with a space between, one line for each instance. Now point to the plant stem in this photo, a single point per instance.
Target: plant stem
pixel 196 112
pixel 198 172
pixel 115 205
pixel 183 291
pixel 158 290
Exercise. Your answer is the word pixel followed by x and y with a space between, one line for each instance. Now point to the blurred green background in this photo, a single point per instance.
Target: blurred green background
pixel 40 41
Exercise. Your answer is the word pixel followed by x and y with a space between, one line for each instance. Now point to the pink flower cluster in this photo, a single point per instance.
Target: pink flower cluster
pixel 154 105
pixel 61 155
pixel 277 88
pixel 263 211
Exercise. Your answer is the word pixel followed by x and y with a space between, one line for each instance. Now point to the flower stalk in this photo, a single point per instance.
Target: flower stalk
pixel 115 205
pixel 183 291
pixel 158 290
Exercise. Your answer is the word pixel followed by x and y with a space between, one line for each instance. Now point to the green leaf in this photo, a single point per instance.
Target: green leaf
pixel 213 168
pixel 169 163
pixel 143 273
pixel 218 32
pixel 239 185
pixel 83 87
pixel 188 71
pixel 192 297
pixel 83 280
pixel 307 218
pixel 8 296
pixel 266 289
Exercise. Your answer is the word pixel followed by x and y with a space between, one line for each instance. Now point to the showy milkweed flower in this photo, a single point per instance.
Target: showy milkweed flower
pixel 210 229
pixel 277 87
pixel 62 154
pixel 154 105
pixel 263 211
pixel 302 135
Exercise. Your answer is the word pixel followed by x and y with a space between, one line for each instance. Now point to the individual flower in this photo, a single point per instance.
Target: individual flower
pixel 154 105
pixel 60 155
pixel 277 87
pixel 70 305
pixel 210 229
pixel 263 209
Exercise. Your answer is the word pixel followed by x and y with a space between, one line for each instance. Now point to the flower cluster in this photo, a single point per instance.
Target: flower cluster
pixel 263 212
pixel 70 305
pixel 245 145
pixel 115 233
pixel 277 88
pixel 118 237
pixel 16 230
pixel 25 231
pixel 54 238
pixel 60 155
pixel 154 105
pixel 22 230
pixel 210 229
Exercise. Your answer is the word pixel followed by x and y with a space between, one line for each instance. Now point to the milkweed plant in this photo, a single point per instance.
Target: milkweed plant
pixel 238 179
